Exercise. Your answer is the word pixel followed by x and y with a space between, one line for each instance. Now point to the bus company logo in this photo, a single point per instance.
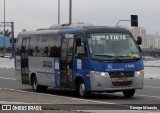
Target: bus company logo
pixel 110 66
pixel 69 36
pixel 6 107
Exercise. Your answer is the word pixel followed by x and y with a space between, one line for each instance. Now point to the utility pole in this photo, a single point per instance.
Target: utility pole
pixel 4 28
pixel 70 12
pixel 13 47
pixel 58 11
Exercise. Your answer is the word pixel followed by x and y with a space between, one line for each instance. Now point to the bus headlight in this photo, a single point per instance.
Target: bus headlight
pixel 103 74
pixel 141 72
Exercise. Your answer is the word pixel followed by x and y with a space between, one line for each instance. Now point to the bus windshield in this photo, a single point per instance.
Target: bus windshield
pixel 113 46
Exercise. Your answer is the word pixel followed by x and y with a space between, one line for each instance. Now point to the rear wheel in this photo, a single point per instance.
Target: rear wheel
pixel 36 87
pixel 82 90
pixel 129 93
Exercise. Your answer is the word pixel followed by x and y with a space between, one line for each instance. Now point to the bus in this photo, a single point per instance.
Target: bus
pixel 80 57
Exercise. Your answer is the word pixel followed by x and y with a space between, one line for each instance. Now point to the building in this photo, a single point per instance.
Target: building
pixel 151 41
pixel 140 31
pixel 148 41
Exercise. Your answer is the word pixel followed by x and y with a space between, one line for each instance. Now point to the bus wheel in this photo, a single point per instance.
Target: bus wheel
pixel 36 87
pixel 82 90
pixel 129 93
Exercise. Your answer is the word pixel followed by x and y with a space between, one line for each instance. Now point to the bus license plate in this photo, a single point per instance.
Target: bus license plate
pixel 122 80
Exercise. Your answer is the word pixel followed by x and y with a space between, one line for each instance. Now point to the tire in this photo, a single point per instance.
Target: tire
pixel 129 93
pixel 36 87
pixel 82 90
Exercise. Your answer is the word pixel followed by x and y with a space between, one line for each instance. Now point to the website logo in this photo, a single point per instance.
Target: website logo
pixel 110 66
pixel 6 107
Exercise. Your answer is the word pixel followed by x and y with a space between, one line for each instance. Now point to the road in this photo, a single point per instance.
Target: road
pixel 13 92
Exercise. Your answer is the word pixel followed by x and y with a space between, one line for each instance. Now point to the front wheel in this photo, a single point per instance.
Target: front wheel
pixel 129 93
pixel 82 90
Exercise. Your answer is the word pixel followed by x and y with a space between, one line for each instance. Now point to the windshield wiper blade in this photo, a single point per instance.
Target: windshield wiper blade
pixel 110 56
pixel 116 58
pixel 104 55
pixel 130 57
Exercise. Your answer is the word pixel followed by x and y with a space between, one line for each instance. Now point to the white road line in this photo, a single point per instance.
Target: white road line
pixel 148 96
pixel 76 98
pixel 142 95
pixel 152 87
pixel 99 102
pixel 10 102
pixel 7 78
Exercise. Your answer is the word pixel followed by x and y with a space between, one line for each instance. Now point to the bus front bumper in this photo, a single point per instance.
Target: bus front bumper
pixel 103 82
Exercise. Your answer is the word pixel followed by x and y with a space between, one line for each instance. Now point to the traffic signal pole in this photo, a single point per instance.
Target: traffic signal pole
pixel 13 48
pixel 4 29
pixel 70 12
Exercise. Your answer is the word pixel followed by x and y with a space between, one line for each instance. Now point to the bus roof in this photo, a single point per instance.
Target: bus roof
pixel 74 27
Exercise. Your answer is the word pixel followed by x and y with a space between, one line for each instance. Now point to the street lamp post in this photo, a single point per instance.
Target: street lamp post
pixel 58 11
pixel 70 12
pixel 4 28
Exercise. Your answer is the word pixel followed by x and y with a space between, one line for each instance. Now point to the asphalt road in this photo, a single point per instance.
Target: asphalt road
pixel 13 92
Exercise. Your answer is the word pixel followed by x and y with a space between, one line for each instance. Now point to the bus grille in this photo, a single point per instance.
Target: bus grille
pixel 122 83
pixel 121 74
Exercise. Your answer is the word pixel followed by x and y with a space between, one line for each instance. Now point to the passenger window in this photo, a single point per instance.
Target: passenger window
pixel 43 45
pixel 33 47
pixel 18 46
pixel 54 45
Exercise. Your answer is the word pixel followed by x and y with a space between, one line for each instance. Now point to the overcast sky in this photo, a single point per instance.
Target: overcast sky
pixel 34 14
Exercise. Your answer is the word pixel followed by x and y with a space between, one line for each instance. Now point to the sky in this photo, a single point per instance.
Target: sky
pixel 36 14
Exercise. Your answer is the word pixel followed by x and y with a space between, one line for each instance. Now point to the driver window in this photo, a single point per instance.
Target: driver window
pixel 81 51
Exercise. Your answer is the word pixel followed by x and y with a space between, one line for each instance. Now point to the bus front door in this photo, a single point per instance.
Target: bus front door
pixel 24 61
pixel 66 63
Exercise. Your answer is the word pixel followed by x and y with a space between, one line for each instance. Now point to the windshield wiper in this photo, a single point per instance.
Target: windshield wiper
pixel 103 55
pixel 110 56
pixel 130 57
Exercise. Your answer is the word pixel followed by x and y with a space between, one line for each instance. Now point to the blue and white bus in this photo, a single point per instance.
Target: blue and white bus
pixel 84 58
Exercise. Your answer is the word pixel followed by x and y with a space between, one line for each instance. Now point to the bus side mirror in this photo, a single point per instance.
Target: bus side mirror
pixel 78 42
pixel 139 40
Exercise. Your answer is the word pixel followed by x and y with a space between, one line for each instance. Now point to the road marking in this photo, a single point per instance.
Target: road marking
pixel 10 102
pixel 60 96
pixel 7 78
pixel 142 95
pixel 151 87
pixel 148 96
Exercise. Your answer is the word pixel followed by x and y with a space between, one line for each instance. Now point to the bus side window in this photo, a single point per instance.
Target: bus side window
pixel 18 46
pixel 33 47
pixel 54 45
pixel 43 45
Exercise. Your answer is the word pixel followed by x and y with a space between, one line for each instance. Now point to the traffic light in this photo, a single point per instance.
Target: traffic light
pixel 134 20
